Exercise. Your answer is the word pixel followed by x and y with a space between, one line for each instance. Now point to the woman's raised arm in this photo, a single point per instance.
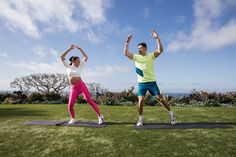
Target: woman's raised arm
pixel 63 54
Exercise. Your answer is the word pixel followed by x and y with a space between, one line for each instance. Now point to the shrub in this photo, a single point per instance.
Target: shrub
pixel 150 101
pixel 35 97
pixel 9 100
pixel 52 96
pixel 4 95
pixel 80 99
pixel 211 103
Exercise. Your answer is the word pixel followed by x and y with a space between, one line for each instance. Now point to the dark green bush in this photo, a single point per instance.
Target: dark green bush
pixel 35 97
pixel 51 96
pixel 212 103
pixel 4 95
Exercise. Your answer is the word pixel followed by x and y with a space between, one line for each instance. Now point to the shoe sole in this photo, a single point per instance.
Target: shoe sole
pixel 139 125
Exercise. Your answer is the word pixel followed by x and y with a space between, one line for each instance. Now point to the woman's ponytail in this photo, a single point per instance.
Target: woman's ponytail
pixel 71 60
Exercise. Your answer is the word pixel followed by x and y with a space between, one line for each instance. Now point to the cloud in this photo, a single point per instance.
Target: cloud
pixel 39 51
pixel 94 74
pixel 103 32
pixel 180 19
pixel 146 12
pixel 207 31
pixel 3 55
pixel 34 17
pixel 94 10
pixel 105 70
pixel 40 67
pixel 42 51
pixel 94 38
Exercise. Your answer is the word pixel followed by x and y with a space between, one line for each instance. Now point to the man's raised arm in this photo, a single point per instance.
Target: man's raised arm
pixel 126 49
pixel 159 49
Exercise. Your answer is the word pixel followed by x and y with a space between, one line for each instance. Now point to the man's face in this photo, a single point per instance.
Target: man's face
pixel 142 50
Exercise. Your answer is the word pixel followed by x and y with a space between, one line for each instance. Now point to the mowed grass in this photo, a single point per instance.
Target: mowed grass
pixel 118 139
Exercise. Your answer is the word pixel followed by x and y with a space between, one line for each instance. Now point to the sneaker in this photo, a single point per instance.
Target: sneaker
pixel 140 122
pixel 72 121
pixel 100 119
pixel 172 119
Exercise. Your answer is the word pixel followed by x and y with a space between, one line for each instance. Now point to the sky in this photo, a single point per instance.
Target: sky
pixel 199 39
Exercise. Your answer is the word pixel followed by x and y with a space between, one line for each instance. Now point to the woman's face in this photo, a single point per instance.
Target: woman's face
pixel 76 62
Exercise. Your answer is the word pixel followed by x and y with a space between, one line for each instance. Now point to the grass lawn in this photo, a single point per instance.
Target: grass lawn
pixel 117 139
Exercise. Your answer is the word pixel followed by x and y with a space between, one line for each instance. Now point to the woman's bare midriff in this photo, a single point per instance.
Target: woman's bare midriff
pixel 74 80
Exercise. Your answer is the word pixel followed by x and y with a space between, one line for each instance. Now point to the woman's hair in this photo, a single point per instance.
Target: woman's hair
pixel 72 59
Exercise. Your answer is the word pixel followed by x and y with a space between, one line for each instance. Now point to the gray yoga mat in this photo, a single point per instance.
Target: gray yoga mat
pixel 64 123
pixel 45 122
pixel 192 125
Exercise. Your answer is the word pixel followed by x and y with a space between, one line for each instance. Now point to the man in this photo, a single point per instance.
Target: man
pixel 144 65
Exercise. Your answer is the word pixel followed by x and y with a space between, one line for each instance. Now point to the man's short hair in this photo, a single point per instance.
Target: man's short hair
pixel 143 44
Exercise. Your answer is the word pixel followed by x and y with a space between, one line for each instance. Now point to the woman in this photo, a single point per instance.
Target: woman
pixel 77 85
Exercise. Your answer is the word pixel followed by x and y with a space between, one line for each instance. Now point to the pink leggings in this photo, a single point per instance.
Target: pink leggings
pixel 80 88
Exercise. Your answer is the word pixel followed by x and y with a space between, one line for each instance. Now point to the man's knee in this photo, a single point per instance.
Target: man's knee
pixel 160 97
pixel 140 100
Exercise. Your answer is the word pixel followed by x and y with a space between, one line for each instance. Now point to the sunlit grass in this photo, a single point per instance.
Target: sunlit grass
pixel 117 139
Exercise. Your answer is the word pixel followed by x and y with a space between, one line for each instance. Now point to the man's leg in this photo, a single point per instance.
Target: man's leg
pixel 140 105
pixel 140 110
pixel 161 98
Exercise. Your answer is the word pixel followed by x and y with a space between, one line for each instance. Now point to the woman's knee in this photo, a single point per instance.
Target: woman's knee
pixel 70 107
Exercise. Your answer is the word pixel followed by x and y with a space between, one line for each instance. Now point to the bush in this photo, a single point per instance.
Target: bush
pixel 49 98
pixel 202 98
pixel 150 101
pixel 12 100
pixel 80 99
pixel 4 95
pixel 108 101
pixel 52 96
pixel 16 98
pixel 35 97
pixel 9 100
pixel 212 103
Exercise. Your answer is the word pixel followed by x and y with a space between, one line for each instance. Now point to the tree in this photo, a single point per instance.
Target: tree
pixel 22 84
pixel 44 83
pixel 96 89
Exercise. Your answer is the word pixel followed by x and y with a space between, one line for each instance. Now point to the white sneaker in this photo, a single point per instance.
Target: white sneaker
pixel 100 119
pixel 72 121
pixel 172 119
pixel 140 122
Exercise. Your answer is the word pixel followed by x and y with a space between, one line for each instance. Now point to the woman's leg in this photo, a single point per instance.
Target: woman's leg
pixel 71 103
pixel 88 98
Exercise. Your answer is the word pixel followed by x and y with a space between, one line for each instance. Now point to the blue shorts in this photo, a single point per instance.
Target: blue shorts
pixel 148 86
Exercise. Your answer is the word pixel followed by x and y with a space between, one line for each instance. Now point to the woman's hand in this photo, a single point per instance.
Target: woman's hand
pixel 74 47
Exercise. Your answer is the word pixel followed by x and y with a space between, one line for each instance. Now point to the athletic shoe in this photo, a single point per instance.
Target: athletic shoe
pixel 172 119
pixel 72 121
pixel 140 122
pixel 100 119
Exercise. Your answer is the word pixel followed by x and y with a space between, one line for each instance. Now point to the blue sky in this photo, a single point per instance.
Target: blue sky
pixel 199 39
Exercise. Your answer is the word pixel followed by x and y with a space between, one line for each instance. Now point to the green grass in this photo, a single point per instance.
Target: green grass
pixel 117 139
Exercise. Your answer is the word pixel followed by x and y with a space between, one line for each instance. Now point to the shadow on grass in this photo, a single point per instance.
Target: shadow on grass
pixel 20 112
pixel 180 123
